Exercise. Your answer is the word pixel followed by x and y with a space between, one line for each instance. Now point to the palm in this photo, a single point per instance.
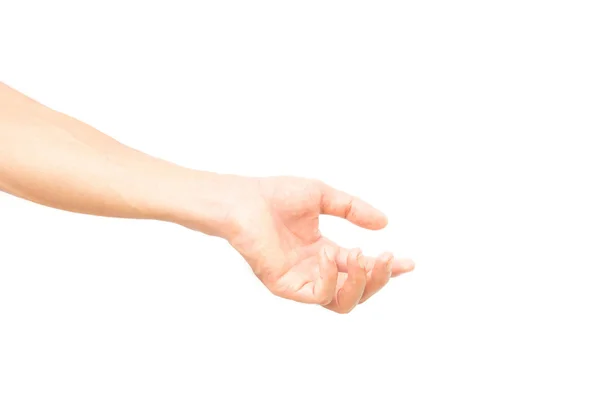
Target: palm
pixel 288 253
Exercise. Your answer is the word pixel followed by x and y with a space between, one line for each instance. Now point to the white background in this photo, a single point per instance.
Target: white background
pixel 473 124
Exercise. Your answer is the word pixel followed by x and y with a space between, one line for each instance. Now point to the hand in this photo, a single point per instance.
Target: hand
pixel 277 232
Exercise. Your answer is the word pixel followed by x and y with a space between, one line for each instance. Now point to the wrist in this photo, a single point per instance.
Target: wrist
pixel 206 202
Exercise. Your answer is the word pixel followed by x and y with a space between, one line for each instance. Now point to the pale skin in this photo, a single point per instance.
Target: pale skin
pixel 55 160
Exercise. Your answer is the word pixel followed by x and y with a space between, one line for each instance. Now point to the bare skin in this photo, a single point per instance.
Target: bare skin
pixel 55 160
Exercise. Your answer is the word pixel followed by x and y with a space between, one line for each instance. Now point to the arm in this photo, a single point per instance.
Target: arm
pixel 55 160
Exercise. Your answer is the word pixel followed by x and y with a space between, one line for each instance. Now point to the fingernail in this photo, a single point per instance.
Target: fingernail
pixel 388 266
pixel 361 261
pixel 410 265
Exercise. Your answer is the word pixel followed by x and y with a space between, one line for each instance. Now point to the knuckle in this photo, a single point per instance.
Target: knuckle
pixel 274 289
pixel 323 298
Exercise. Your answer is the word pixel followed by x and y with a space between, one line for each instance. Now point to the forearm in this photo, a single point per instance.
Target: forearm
pixel 55 160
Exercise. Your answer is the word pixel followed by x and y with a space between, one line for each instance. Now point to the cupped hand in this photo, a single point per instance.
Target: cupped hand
pixel 277 232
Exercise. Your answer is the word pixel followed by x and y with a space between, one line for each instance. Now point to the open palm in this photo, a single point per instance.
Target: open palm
pixel 279 237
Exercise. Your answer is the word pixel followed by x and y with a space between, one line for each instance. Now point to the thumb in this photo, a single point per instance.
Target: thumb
pixel 339 204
